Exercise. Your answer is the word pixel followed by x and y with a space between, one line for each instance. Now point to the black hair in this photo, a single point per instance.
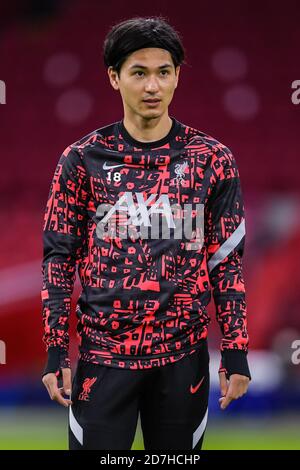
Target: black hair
pixel 138 33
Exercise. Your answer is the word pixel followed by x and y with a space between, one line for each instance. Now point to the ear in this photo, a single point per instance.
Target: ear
pixel 113 78
pixel 177 72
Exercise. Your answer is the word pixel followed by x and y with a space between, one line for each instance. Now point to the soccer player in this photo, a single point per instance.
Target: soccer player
pixel 120 204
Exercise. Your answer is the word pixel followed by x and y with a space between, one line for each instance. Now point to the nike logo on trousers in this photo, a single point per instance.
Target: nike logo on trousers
pixel 194 389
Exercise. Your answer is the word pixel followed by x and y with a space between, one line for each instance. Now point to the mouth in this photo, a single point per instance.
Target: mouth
pixel 152 102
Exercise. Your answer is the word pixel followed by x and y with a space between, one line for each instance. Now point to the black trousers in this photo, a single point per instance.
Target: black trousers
pixel 172 401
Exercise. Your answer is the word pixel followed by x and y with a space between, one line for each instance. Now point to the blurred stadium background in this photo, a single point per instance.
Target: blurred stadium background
pixel 242 59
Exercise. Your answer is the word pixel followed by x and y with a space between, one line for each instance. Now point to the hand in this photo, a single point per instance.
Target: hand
pixel 236 388
pixel 50 382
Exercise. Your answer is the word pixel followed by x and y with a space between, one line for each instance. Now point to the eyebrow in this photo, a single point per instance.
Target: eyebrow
pixel 140 66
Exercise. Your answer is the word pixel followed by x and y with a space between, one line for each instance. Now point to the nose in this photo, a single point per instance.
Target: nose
pixel 151 85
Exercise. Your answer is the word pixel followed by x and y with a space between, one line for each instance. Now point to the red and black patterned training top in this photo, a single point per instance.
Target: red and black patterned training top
pixel 144 295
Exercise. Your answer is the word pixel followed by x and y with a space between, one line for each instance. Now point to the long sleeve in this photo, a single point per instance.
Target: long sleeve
pixel 63 233
pixel 225 238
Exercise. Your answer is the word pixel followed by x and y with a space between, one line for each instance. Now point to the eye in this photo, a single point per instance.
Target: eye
pixel 165 72
pixel 139 72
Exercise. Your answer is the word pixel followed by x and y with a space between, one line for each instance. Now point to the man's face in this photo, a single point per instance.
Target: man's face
pixel 147 74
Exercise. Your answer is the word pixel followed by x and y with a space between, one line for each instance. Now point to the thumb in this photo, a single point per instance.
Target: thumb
pixel 67 385
pixel 223 383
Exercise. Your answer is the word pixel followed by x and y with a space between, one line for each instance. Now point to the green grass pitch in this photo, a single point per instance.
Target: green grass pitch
pixel 47 429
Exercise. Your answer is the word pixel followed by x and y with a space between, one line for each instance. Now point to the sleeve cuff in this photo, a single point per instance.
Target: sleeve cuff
pixel 57 359
pixel 234 361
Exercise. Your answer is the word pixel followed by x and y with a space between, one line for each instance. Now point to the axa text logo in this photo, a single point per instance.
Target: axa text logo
pixel 154 214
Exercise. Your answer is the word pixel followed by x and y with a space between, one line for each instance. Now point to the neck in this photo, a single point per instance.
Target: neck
pixel 148 130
